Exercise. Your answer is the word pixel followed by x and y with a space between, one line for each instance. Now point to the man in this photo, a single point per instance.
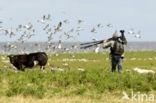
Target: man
pixel 116 45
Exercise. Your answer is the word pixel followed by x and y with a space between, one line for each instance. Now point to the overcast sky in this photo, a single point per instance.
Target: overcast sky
pixel 122 14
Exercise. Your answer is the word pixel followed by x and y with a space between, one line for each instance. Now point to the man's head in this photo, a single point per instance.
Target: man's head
pixel 115 34
pixel 12 58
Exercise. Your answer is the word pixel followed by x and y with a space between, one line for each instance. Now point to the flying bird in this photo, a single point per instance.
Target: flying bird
pixel 46 27
pixel 48 17
pixel 44 17
pixel 59 44
pixel 93 30
pixel 131 31
pixel 137 36
pixel 9 32
pixel 68 35
pixel 98 25
pixel 109 25
pixel 42 20
pixel 28 26
pixel 66 21
pixel 20 26
pixel 60 24
pixel 79 29
pixel 58 28
pixel 49 30
pixel 72 30
pixel 80 21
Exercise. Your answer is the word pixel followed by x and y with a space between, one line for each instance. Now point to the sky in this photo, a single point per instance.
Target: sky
pixel 121 14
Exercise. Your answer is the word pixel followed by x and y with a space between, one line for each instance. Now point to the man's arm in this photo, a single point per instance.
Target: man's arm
pixel 123 38
pixel 107 44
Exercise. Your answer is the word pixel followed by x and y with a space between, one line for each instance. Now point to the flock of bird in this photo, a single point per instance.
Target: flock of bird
pixel 136 34
pixel 26 31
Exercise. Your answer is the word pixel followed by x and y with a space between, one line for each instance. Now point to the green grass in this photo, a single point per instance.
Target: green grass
pixel 95 81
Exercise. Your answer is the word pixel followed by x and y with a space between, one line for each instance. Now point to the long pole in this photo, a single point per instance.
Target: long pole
pixel 91 42
pixel 84 47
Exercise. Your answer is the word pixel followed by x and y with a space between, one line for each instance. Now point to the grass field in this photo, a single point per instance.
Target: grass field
pixel 84 78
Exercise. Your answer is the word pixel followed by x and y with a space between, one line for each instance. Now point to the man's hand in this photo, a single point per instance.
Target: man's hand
pixel 122 31
pixel 104 41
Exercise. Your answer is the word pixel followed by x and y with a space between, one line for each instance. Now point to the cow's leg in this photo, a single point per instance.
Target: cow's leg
pixel 35 62
pixel 42 67
pixel 30 64
pixel 19 66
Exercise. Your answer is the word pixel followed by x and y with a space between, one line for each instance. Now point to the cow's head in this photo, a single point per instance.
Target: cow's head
pixel 12 59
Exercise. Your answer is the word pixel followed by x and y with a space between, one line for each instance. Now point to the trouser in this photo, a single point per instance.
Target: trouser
pixel 116 61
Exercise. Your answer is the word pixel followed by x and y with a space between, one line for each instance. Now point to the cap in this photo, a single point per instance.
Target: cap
pixel 115 34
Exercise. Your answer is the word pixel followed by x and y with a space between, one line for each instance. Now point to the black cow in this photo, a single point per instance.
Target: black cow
pixel 27 60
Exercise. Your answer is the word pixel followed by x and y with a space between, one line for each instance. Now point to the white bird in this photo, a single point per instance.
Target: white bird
pixel 79 29
pixel 74 46
pixel 131 31
pixel 143 71
pixel 81 69
pixel 28 26
pixel 48 17
pixel 56 69
pixel 42 20
pixel 59 45
pixel 12 46
pixel 49 33
pixel 97 49
pixel 58 28
pixel 65 64
pixel 68 35
pixel 60 69
pixel 53 69
pixel 137 36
